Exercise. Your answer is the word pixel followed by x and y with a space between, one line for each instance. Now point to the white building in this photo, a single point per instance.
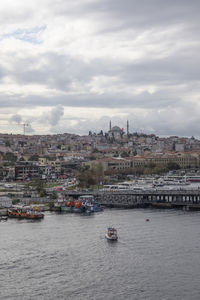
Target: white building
pixel 5 202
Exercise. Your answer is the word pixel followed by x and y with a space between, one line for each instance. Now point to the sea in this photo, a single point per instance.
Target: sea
pixel 66 256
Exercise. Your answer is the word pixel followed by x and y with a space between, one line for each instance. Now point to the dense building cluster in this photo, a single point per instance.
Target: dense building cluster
pixel 52 156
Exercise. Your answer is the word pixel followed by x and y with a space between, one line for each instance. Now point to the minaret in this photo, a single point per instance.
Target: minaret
pixel 127 128
pixel 110 124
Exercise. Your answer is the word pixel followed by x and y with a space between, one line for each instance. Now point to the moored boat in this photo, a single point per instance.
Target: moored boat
pixel 85 204
pixel 90 204
pixel 25 214
pixel 111 234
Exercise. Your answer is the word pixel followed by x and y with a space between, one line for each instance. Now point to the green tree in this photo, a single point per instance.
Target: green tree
pixel 95 150
pixel 53 195
pixel 21 159
pixel 124 154
pixel 15 201
pixel 42 193
pixel 7 143
pixel 173 166
pixel 159 169
pixel 10 157
pixel 151 165
pixel 92 176
pixel 34 157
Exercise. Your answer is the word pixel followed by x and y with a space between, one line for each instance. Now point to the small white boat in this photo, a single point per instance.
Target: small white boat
pixel 111 234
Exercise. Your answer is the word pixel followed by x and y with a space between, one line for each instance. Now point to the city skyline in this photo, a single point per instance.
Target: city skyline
pixel 72 66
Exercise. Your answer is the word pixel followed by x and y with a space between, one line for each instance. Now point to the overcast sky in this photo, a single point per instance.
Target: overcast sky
pixel 74 65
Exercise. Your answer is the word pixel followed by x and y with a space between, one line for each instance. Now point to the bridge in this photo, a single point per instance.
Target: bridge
pixel 185 199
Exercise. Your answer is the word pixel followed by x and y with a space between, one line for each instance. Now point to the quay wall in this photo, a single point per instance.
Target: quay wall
pixel 132 199
pixel 3 211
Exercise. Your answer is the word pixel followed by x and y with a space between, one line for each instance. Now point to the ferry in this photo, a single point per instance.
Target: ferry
pixel 116 187
pixel 111 234
pixel 193 178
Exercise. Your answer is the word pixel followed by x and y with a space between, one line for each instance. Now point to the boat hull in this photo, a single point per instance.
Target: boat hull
pixel 111 238
pixel 25 216
pixel 66 209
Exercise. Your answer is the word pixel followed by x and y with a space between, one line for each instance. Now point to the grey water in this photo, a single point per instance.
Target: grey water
pixel 66 256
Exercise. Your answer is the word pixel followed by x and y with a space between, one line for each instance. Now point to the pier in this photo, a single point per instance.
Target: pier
pixel 184 199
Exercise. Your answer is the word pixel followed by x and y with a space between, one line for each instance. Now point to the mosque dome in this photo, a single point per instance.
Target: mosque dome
pixel 116 129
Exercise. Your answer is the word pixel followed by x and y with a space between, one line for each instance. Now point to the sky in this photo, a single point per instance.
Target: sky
pixel 74 65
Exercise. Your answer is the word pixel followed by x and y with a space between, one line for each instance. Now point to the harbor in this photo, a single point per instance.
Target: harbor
pixel 177 199
pixel 146 198
pixel 67 256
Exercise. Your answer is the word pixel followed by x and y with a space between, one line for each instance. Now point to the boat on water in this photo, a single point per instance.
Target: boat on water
pixel 90 204
pixel 85 204
pixel 22 213
pixel 111 234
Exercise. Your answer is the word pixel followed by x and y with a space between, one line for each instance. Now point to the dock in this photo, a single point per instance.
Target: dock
pixel 184 199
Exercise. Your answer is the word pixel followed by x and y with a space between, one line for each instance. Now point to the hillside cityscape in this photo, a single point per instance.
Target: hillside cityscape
pixel 117 151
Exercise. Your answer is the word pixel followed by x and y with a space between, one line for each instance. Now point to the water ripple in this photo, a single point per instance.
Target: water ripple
pixel 68 257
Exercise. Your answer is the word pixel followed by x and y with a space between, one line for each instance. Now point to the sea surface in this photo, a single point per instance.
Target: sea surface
pixel 66 256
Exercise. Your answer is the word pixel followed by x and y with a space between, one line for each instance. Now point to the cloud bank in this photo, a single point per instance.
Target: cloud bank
pixel 71 66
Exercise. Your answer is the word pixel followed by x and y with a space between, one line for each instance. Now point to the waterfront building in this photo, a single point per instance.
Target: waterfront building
pixel 5 202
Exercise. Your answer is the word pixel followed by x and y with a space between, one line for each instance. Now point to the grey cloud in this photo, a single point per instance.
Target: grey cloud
pixel 29 128
pixel 117 15
pixel 175 74
pixel 60 71
pixel 171 70
pixel 163 123
pixel 148 14
pixel 54 116
pixel 16 118
pixel 113 100
pixel 25 125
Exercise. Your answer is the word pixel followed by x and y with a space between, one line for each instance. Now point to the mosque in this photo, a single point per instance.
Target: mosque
pixel 116 132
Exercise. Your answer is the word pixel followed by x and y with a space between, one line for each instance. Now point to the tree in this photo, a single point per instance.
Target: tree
pixel 53 196
pixel 39 187
pixel 95 150
pixel 151 165
pixel 21 159
pixel 34 157
pixel 7 143
pixel 15 201
pixel 173 166
pixel 159 169
pixel 42 193
pixel 100 133
pixel 86 178
pixel 93 176
pixel 124 154
pixel 10 157
pixel 92 157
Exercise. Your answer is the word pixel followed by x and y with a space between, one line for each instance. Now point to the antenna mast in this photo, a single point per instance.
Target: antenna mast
pixel 24 127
